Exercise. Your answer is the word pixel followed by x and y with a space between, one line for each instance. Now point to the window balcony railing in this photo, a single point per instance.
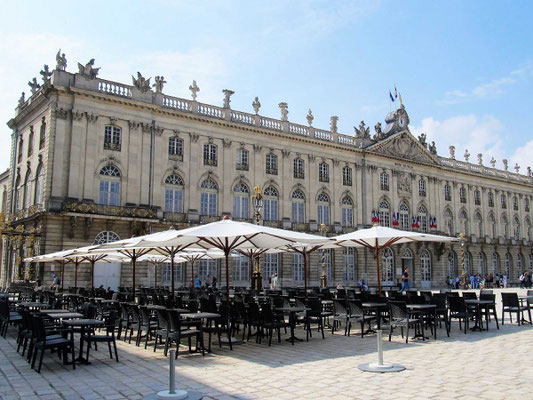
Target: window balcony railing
pixel 210 162
pixel 300 227
pixel 205 219
pixel 385 187
pixel 299 175
pixel 347 182
pixel 323 179
pixel 273 224
pixel 242 167
pixel 272 171
pixel 112 146
pixel 175 217
pixel 175 157
pixel 422 193
pixel 89 207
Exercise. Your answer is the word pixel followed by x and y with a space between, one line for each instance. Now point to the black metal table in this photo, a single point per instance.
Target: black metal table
pixel 83 324
pixel 424 309
pixel 292 319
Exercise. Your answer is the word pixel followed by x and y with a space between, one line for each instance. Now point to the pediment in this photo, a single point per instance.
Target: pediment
pixel 404 145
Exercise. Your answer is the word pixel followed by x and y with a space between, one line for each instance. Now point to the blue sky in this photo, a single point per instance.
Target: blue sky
pixel 464 68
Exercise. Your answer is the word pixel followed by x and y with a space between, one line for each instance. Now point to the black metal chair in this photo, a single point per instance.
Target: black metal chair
pixel 490 308
pixel 511 304
pixel 340 316
pixel 401 317
pixel 357 315
pixel 109 337
pixel 177 332
pixel 441 310
pixel 270 323
pixel 459 311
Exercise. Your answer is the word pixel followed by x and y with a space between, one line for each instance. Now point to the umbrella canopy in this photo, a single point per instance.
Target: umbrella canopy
pixel 225 235
pixel 379 237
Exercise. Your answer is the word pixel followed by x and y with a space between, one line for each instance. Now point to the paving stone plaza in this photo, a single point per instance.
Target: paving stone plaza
pixel 479 365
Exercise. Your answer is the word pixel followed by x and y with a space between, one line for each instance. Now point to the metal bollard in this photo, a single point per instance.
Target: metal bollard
pixel 172 372
pixel 380 347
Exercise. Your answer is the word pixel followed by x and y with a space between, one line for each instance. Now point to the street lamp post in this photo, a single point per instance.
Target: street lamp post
pixel 463 272
pixel 257 201
pixel 323 277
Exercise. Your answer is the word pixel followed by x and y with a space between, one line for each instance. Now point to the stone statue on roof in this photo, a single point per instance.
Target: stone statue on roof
pixel 433 148
pixel 141 83
pixel 61 61
pixel 363 132
pixel 159 84
pixel 88 69
pixel 34 85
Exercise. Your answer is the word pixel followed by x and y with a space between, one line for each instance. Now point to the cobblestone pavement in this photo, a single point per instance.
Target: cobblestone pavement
pixel 479 365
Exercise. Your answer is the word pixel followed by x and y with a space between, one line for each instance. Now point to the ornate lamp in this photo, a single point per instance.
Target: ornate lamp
pixel 257 201
pixel 323 277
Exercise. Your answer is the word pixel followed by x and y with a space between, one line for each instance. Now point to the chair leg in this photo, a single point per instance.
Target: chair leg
pixel 115 347
pixel 109 347
pixel 40 361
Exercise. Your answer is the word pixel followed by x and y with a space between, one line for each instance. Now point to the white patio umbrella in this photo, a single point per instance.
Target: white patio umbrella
pixel 379 237
pixel 225 235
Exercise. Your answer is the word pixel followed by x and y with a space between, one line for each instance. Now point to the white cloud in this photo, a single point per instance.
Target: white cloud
pixel 522 157
pixel 477 134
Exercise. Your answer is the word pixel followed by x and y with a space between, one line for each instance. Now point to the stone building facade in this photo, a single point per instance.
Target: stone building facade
pixel 94 160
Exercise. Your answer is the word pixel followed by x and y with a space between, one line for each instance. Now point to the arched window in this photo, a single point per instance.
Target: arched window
pixel 241 269
pixel 299 168
pixel 448 220
pixel 422 188
pixel 298 207
pixel 347 211
pixel 30 141
pixel 492 222
pixel 516 228
pixel 481 264
pixel 175 148
pixel 447 193
pixel 508 265
pixel 384 213
pixel 106 237
pixel 519 263
pixel 242 160
pixel 271 164
pixel 27 190
pixel 298 267
pixel 210 154
pixel 526 204
pixel 112 137
pixel 504 201
pixel 452 270
pixel 18 194
pixel 174 194
pixel 324 257
pixel 323 208
pixel 323 172
pixel 241 194
pixel 463 219
pixel 505 226
pixel 468 263
pixel 479 224
pixel 20 151
pixel 270 265
pixel 208 198
pixel 347 176
pixel 528 229
pixel 462 194
pixel 270 204
pixel 349 257
pixel 387 266
pixel 425 265
pixel 109 193
pixel 490 197
pixel 39 186
pixel 515 203
pixel 423 215
pixel 42 133
pixel 495 263
pixel 477 197
pixel 404 217
pixel 384 181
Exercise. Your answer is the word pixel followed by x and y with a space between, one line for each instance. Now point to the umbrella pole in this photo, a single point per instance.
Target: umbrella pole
pixel 92 274
pixel 133 271
pixel 305 275
pixel 172 270
pixel 379 272
pixel 226 253
pixel 155 274
pixel 192 270
pixel 76 263
pixel 62 274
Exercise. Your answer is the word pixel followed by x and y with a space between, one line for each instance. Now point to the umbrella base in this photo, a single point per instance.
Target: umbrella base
pixel 376 367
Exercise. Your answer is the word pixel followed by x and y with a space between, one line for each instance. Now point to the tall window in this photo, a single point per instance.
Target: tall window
pixel 21 145
pixel 348 256
pixel 270 265
pixel 508 265
pixel 174 194
pixel 323 208
pixel 39 186
pixel 526 204
pixel 451 265
pixel 519 263
pixel 516 229
pixel 27 190
pixel 109 193
pixel 42 133
pixel 505 226
pixel 468 263
pixel 241 194
pixel 106 237
pixel 463 219
pixel 298 207
pixel 323 172
pixel 271 164
pixel 384 181
pixel 175 148
pixel 208 198
pixel 481 264
pixel 492 222
pixel 298 267
pixel 504 201
pixel 422 188
pixel 425 265
pixel 112 136
pixel 207 267
pixel 166 272
pixel 479 223
pixel 448 220
pixel 447 193
pixel 528 229
pixel 477 197
pixel 490 197
pixel 347 176
pixel 210 154
pixel 242 160
pixel 299 168
pixel 387 262
pixel 384 214
pixel 462 194
pixel 423 215
pixel 18 194
pixel 30 141
pixel 270 204
pixel 241 269
pixel 495 263
pixel 515 203
pixel 324 257
pixel 347 211
pixel 404 217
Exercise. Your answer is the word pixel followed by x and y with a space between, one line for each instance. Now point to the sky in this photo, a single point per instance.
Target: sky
pixel 464 69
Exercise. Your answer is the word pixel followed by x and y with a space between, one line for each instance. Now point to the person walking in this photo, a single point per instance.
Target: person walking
pixel 405 280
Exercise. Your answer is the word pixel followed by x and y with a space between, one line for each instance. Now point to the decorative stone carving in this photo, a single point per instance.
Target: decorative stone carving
pixel 73 225
pixel 528 171
pixel 91 117
pixel 517 168
pixel 333 123
pixel 77 115
pixel 433 148
pixel 310 117
pixel 284 111
pixel 285 153
pixel 194 90
pixel 227 97
pixel 256 105
pixel 422 139
pixel 379 133
pixel 452 152
pixel 141 83
pixel 134 125
pixel 158 130
pixel 336 162
pixel 88 70
pixel 480 159
pixel 159 84
pixel 45 73
pixel 194 137
pixel 363 132
pixel 22 99
pixel 403 146
pixel 505 165
pixel 146 127
pixel 312 158
pixel 61 61
pixel 493 162
pixel 87 227
pixel 61 113
pixel 257 148
pixel 34 85
pixel 226 143
pixel 467 155
pixel 210 140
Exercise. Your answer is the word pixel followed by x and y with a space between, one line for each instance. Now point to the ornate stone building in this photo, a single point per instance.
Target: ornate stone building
pixel 94 160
